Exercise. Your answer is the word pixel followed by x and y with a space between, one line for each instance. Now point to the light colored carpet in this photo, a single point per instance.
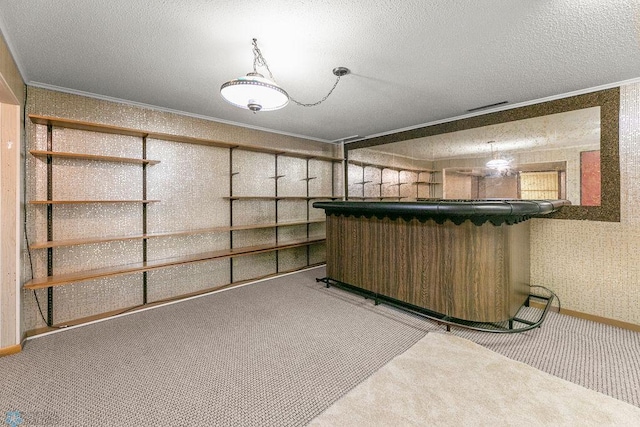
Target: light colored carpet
pixel 445 380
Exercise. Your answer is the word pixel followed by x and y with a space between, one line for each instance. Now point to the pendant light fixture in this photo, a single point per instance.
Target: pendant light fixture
pixel 497 162
pixel 255 92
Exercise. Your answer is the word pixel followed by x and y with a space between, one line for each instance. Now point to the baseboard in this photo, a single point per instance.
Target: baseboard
pixel 12 349
pixel 593 318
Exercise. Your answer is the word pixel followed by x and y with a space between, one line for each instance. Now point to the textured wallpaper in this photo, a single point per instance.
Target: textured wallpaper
pixel 594 267
pixel 192 184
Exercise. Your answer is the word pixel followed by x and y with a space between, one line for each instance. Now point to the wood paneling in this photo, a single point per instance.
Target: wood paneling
pixel 10 223
pixel 470 272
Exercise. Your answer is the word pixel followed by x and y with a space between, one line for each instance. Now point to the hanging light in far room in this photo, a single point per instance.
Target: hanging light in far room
pixel 257 93
pixel 496 162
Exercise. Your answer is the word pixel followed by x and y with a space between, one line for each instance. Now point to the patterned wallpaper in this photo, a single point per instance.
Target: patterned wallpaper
pixel 594 267
pixel 192 183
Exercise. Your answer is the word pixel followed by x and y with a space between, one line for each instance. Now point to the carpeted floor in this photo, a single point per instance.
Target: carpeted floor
pixel 596 356
pixel 444 380
pixel 273 353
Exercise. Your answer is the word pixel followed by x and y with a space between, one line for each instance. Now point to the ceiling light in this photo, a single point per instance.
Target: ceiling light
pixel 498 164
pixel 257 93
pixel 254 92
pixel 496 161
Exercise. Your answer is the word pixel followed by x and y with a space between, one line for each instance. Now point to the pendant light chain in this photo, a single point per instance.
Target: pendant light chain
pixel 319 102
pixel 259 61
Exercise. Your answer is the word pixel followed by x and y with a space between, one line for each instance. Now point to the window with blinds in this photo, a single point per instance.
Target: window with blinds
pixel 539 185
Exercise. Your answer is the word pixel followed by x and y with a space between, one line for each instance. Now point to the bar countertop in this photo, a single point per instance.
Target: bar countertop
pixel 495 211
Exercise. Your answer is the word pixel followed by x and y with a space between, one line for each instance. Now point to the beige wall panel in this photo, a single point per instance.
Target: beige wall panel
pixel 255 174
pixel 407 189
pixel 169 247
pixel 317 253
pixel 355 177
pixel 70 259
pixel 261 236
pixel 315 213
pixel 81 180
pixel 292 259
pixel 190 181
pixel 247 212
pixel 594 266
pixel 292 210
pixel 375 176
pixel 180 280
pixel 78 141
pixel 390 180
pixel 83 299
pixel 97 296
pixel 292 233
pixel 321 184
pixel 253 266
pixel 293 182
pixel 458 186
pixel 91 220
pixel 30 316
pixel 317 230
pixel 339 181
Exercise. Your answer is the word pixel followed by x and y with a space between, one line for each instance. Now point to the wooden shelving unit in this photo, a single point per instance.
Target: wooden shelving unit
pixel 395 168
pixel 77 242
pixel 67 279
pixel 103 128
pixel 52 280
pixel 277 175
pixel 418 182
pixel 72 202
pixel 275 198
pixel 81 156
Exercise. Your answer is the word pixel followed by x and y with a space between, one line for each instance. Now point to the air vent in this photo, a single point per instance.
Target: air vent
pixel 487 106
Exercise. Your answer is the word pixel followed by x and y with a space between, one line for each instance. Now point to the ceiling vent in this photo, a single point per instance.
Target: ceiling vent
pixel 487 106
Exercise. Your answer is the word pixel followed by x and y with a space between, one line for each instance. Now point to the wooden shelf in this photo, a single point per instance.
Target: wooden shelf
pixel 377 198
pixel 266 198
pixel 65 155
pixel 395 168
pixel 66 279
pixel 70 202
pixel 81 125
pixel 279 197
pixel 75 242
pixel 97 127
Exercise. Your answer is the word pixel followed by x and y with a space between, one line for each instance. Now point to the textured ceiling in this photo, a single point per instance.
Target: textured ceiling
pixel 412 61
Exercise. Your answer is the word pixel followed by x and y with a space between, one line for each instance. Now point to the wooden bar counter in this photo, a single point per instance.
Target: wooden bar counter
pixel 468 260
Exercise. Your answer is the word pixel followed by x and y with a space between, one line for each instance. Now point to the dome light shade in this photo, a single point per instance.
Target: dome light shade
pixel 498 164
pixel 254 92
pixel 257 93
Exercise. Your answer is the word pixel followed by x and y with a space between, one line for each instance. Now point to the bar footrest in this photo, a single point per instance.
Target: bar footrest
pixel 509 326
